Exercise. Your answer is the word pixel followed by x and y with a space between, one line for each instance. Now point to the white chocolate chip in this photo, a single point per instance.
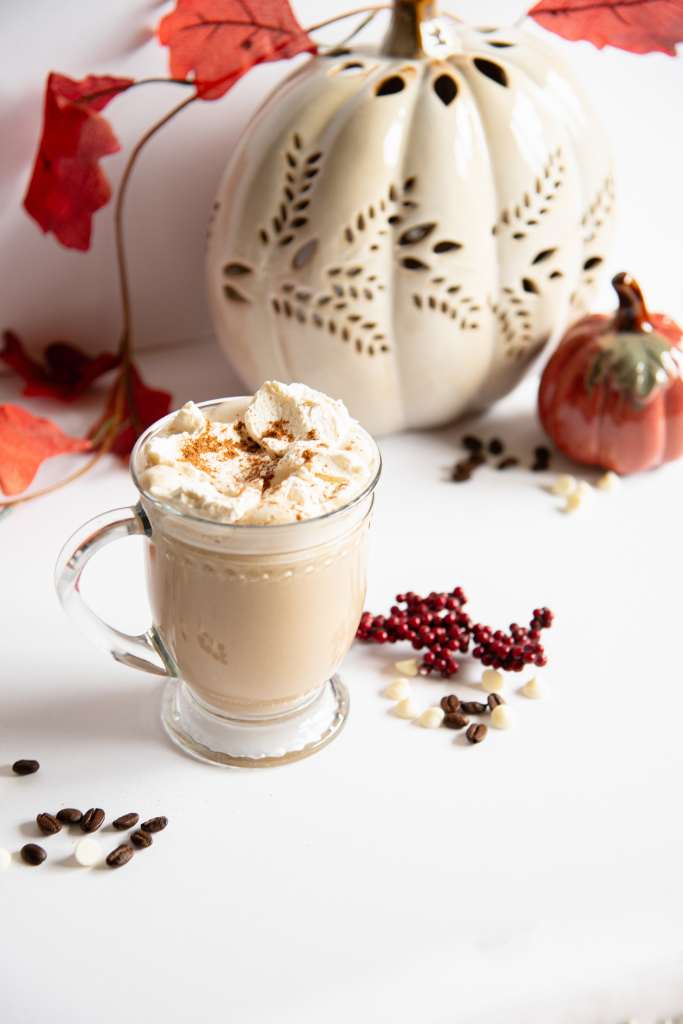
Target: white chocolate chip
pixel 5 859
pixel 88 852
pixel 398 690
pixel 492 680
pixel 406 709
pixel 583 488
pixel 563 485
pixel 408 667
pixel 531 689
pixel 573 502
pixel 608 481
pixel 501 717
pixel 431 718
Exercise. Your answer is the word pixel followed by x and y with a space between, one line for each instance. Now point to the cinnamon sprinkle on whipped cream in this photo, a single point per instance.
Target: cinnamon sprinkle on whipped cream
pixel 292 454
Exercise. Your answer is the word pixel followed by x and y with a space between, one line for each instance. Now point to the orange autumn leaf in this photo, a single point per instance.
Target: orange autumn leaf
pixel 25 442
pixel 214 42
pixel 640 26
pixel 67 184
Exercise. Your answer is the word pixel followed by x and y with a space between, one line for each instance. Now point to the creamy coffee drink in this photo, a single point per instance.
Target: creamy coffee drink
pixel 256 564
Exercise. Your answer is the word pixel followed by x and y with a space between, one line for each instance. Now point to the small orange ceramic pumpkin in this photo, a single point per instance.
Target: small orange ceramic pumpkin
pixel 612 393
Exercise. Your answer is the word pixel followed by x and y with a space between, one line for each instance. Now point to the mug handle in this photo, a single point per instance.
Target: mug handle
pixel 87 541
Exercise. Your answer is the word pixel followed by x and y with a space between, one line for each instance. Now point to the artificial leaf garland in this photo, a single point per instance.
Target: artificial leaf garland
pixel 25 442
pixel 212 43
pixel 65 372
pixel 217 41
pixel 67 184
pixel 639 26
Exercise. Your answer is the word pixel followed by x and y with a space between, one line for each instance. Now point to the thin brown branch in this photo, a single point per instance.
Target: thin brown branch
pixel 114 89
pixel 124 345
pixel 367 20
pixel 347 14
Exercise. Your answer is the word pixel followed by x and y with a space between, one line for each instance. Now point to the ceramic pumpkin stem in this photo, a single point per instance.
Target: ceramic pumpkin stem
pixel 403 38
pixel 632 314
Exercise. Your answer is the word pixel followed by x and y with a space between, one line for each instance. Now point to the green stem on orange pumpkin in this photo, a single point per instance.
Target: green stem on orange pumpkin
pixel 632 314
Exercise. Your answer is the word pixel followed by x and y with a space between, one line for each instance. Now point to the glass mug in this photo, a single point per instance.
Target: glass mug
pixel 250 623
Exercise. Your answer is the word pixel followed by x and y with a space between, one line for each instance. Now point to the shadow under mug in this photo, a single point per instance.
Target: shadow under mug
pixel 250 623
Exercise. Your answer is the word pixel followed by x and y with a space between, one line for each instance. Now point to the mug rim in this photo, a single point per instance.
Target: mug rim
pixel 254 527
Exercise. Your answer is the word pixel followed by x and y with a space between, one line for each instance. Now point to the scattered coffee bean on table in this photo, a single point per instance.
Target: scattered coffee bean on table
pixel 473 707
pixel 141 839
pixel 48 824
pixel 477 459
pixel 472 443
pixel 476 733
pixel 126 821
pixel 69 816
pixel 154 824
pixel 461 472
pixel 92 819
pixel 455 720
pixel 33 854
pixel 120 856
pixel 494 700
pixel 450 703
pixel 508 462
pixel 25 766
pixel 496 446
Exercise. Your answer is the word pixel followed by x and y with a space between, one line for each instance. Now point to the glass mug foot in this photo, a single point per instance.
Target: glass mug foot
pixel 253 743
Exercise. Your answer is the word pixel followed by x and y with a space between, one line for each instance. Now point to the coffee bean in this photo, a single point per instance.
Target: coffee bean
pixel 141 839
pixel 472 443
pixel 508 462
pixel 476 733
pixel 25 767
pixel 33 854
pixel 496 446
pixel 120 856
pixel 493 700
pixel 70 815
pixel 473 707
pixel 450 703
pixel 92 819
pixel 542 454
pixel 126 821
pixel 154 824
pixel 461 471
pixel 48 824
pixel 454 720
pixel 476 459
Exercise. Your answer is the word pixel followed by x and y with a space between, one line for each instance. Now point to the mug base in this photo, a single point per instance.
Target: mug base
pixel 261 743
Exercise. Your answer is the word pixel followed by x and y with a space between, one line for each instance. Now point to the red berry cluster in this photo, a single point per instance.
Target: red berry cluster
pixel 439 624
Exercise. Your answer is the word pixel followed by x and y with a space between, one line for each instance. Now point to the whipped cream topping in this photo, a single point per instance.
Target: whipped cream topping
pixel 293 454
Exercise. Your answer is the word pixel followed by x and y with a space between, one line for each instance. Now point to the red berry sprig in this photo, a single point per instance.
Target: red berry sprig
pixel 439 624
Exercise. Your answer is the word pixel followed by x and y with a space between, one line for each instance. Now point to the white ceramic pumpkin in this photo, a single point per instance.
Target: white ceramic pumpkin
pixel 406 229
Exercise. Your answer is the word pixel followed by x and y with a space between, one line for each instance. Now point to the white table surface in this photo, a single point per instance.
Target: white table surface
pixel 399 875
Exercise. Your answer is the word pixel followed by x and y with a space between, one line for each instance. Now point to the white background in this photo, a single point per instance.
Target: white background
pixel 49 292
pixel 399 876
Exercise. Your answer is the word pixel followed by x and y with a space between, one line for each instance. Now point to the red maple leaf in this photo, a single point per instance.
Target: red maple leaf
pixel 216 41
pixel 25 442
pixel 67 184
pixel 641 26
pixel 65 372
pixel 132 406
